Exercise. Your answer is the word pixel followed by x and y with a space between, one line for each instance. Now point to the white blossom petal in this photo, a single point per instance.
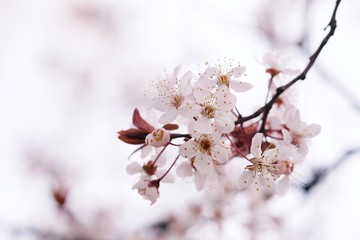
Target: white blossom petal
pixel 256 142
pixel 190 111
pixel 202 163
pixel 134 168
pixel 184 169
pixel 238 71
pixel 282 186
pixel 169 177
pixel 246 178
pixel 188 149
pixel 312 130
pixel 287 136
pixel 199 181
pixel 168 116
pixel 204 125
pixel 152 194
pixel 240 86
pixel 220 154
pixel 266 179
pixel 146 150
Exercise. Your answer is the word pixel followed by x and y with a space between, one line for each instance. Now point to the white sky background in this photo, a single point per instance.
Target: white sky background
pixel 71 73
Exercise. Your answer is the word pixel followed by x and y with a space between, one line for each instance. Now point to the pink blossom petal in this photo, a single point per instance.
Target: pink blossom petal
pixel 168 116
pixel 270 60
pixel 224 124
pixel 184 169
pixel 287 136
pixel 160 105
pixel 303 149
pixel 173 76
pixel 202 95
pixel 134 168
pixel 240 86
pixel 205 84
pixel 312 130
pixel 204 125
pixel 169 177
pixel 145 151
pixel 288 71
pixel 256 142
pixel 220 154
pixel 271 155
pixel 267 180
pixel 199 181
pixel 202 163
pixel 225 101
pixel 152 194
pixel 211 72
pixel 188 149
pixel 238 71
pixel 184 81
pixel 282 186
pixel 190 111
pixel 246 178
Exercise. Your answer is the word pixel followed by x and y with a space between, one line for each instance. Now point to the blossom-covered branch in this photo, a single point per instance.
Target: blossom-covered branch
pixel 217 133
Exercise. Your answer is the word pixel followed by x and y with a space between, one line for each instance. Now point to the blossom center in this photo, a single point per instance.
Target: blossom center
pixel 223 79
pixel 272 71
pixel 208 111
pixel 177 100
pixel 205 146
pixel 296 139
pixel 150 168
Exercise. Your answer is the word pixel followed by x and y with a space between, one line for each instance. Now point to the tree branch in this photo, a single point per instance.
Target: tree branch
pixel 267 107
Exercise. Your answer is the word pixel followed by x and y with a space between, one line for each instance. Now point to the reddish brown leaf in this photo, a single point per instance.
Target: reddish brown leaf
pixel 171 126
pixel 140 123
pixel 133 136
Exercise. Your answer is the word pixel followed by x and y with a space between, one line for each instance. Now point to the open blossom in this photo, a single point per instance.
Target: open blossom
pixel 275 65
pixel 205 149
pixel 297 132
pixel 158 137
pixel 265 167
pixel 148 188
pixel 212 110
pixel 214 76
pixel 150 175
pixel 170 95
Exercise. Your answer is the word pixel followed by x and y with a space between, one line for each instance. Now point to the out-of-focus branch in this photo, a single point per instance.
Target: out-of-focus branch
pixel 267 107
pixel 319 176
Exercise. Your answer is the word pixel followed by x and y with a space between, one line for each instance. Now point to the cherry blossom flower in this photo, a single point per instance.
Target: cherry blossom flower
pixel 275 64
pixel 214 76
pixel 147 188
pixel 265 166
pixel 212 110
pixel 150 176
pixel 205 149
pixel 297 132
pixel 158 137
pixel 170 95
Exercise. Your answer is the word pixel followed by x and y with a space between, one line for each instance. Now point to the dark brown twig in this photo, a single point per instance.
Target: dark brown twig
pixel 267 107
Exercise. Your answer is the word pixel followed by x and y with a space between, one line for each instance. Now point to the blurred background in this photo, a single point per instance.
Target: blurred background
pixel 72 71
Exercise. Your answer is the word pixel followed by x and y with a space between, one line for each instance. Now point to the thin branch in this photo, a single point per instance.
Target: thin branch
pixel 320 175
pixel 267 107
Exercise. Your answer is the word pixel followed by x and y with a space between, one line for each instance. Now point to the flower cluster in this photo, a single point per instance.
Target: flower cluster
pixel 270 144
